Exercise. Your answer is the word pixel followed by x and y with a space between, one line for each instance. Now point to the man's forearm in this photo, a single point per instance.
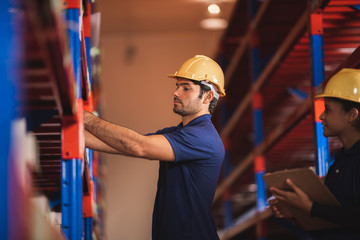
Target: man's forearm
pixel 96 144
pixel 120 139
pixel 128 142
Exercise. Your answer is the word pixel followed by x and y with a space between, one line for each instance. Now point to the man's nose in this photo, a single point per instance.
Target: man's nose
pixel 176 93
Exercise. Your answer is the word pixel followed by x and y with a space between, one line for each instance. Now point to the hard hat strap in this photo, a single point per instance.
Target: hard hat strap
pixel 212 87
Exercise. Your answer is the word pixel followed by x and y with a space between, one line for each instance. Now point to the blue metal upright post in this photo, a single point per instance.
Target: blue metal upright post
pixel 72 136
pixel 72 13
pixel 88 222
pixel 71 187
pixel 88 105
pixel 88 203
pixel 228 218
pixel 227 166
pixel 7 97
pixel 259 162
pixel 258 132
pixel 317 54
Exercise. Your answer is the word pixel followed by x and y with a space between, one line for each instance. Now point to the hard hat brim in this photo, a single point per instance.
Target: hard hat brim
pixel 172 76
pixel 175 76
pixel 321 96
pixel 333 96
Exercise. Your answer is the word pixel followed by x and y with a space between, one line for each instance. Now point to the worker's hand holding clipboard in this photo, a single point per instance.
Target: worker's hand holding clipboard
pixel 308 182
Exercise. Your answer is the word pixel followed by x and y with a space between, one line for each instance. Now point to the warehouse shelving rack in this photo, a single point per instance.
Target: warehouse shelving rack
pixel 275 60
pixel 8 114
pixel 53 87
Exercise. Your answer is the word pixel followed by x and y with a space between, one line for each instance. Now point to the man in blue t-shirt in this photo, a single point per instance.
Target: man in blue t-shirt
pixel 190 154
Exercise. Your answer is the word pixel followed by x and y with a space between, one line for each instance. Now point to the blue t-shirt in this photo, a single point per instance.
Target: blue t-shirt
pixel 186 186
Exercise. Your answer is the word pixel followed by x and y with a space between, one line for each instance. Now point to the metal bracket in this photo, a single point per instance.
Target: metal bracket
pixel 72 134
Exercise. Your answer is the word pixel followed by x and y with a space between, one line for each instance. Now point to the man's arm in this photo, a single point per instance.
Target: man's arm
pixel 96 144
pixel 128 142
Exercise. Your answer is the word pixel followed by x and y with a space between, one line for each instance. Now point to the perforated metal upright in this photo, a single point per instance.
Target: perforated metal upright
pixel 318 71
pixel 227 195
pixel 227 166
pixel 7 70
pixel 72 135
pixel 88 106
pixel 259 161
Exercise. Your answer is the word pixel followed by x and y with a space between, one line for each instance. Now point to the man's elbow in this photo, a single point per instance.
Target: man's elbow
pixel 141 152
pixel 137 151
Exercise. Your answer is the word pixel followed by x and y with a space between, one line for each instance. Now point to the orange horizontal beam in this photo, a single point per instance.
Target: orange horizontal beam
pixel 71 4
pixel 344 3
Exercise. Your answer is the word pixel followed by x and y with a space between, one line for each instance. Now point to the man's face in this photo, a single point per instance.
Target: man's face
pixel 186 98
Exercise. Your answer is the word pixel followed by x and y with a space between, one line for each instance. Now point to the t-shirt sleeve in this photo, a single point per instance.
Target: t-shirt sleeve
pixel 161 131
pixel 188 144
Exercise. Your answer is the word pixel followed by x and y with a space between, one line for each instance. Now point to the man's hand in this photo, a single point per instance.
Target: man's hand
pixel 93 142
pixel 87 118
pixel 298 198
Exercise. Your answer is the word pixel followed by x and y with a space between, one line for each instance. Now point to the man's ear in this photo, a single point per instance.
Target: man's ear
pixel 209 95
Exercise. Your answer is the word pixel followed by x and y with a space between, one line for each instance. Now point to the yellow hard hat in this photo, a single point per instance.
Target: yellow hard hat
pixel 202 68
pixel 345 85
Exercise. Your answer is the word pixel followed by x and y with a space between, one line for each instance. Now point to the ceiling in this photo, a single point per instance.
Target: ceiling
pixel 143 16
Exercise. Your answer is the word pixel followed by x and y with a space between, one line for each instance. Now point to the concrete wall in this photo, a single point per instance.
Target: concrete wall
pixel 136 93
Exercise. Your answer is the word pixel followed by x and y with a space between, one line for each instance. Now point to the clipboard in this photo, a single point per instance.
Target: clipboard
pixel 309 182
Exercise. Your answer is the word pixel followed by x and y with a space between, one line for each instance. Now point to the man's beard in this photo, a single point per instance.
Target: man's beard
pixel 181 112
pixel 185 111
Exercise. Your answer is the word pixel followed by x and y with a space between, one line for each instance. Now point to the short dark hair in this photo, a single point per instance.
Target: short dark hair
pixel 204 89
pixel 347 106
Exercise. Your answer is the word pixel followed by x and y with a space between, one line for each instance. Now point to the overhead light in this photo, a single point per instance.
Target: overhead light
pixel 213 9
pixel 207 1
pixel 213 20
pixel 213 23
